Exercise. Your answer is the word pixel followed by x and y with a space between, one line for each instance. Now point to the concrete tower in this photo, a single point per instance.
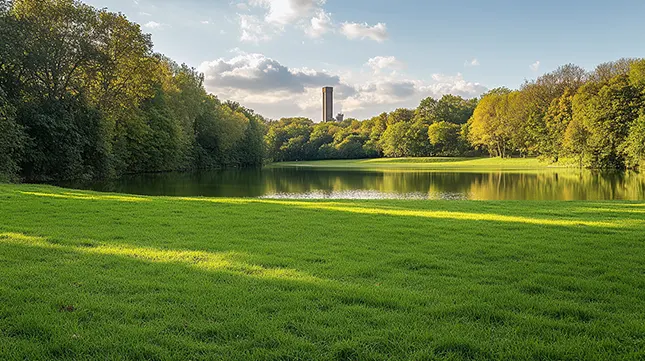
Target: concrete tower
pixel 328 104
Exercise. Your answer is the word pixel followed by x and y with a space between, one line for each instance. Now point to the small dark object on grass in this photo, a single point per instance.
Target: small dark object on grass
pixel 67 308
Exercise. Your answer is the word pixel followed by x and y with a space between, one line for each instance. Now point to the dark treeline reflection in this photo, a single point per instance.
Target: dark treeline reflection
pixel 310 183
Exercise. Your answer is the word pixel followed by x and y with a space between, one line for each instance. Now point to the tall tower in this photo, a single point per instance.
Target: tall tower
pixel 328 104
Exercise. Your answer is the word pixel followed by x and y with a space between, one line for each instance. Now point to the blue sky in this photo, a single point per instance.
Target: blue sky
pixel 274 55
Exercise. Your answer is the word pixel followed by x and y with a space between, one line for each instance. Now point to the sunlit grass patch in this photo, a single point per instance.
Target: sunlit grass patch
pixel 87 275
pixel 202 260
pixel 84 196
pixel 353 208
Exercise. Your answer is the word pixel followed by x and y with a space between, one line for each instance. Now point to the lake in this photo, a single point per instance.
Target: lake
pixel 316 183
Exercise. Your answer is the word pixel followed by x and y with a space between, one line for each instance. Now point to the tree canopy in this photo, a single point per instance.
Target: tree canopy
pixel 83 95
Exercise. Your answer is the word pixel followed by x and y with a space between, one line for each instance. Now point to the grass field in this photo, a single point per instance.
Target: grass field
pixel 91 276
pixel 434 163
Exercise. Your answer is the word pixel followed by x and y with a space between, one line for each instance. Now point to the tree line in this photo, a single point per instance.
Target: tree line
pixel 83 95
pixel 592 119
pixel 595 118
pixel 434 128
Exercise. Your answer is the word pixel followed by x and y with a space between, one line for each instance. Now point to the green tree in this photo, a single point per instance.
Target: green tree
pixel 288 138
pixel 607 112
pixel 605 72
pixel 537 97
pixel 400 115
pixel 12 141
pixel 557 119
pixel 66 140
pixel 351 147
pixel 575 141
pixel 426 111
pixel 445 138
pixel 394 142
pixel 637 74
pixel 454 109
pixel 404 139
pixel 489 127
pixel 634 145
pixel 219 132
pixel 62 41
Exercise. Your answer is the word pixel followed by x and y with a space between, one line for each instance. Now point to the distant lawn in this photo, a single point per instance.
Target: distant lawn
pixel 91 276
pixel 434 163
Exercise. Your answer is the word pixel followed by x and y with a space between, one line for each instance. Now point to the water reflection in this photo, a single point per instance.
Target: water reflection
pixel 348 184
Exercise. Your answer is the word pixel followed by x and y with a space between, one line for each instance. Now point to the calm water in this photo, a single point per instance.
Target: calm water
pixel 407 184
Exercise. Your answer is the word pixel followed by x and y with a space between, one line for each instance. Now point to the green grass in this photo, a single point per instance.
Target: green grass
pixel 436 163
pixel 90 276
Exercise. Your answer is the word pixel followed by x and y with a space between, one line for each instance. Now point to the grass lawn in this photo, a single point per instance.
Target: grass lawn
pixel 91 276
pixel 434 163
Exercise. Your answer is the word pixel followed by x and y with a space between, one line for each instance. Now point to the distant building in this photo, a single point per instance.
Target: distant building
pixel 328 104
pixel 340 117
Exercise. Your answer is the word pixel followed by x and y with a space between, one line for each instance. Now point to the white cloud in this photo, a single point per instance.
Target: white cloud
pixel 275 90
pixel 452 84
pixel 257 74
pixel 385 93
pixel 319 25
pixel 283 12
pixel 380 63
pixel 310 16
pixel 253 30
pixel 535 66
pixel 205 22
pixel 153 25
pixel 353 31
pixel 470 63
pixel 143 13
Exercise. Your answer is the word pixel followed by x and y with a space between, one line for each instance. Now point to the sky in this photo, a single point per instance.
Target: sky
pixel 274 56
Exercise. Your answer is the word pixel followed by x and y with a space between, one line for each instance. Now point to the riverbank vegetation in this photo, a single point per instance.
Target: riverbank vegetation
pixel 595 119
pixel 83 95
pixel 90 276
pixel 430 163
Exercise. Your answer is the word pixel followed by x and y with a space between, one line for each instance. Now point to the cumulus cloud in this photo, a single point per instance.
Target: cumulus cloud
pixel 283 12
pixel 535 66
pixel 253 31
pixel 276 90
pixel 307 15
pixel 380 63
pixel 354 31
pixel 384 93
pixel 256 74
pixel 452 84
pixel 380 94
pixel 319 25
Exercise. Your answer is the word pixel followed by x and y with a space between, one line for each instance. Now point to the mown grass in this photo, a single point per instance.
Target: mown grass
pixel 87 276
pixel 432 163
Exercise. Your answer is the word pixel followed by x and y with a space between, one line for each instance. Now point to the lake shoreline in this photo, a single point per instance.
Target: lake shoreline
pixel 438 178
